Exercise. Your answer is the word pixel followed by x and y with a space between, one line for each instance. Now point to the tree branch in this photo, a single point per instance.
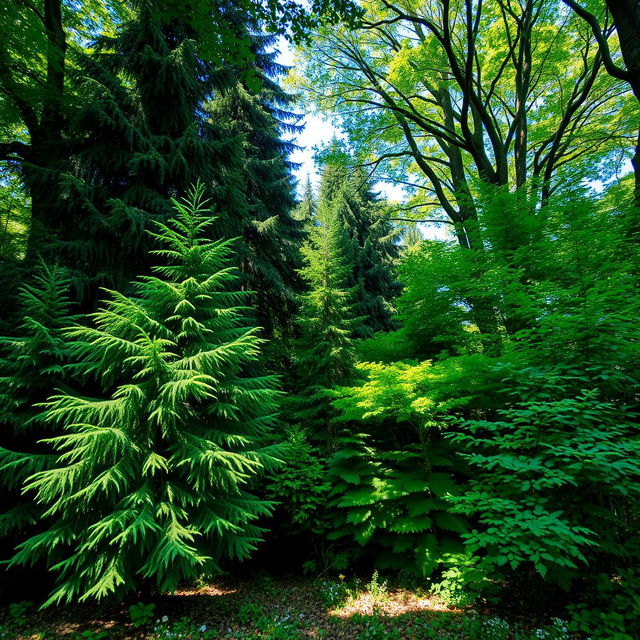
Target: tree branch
pixel 612 68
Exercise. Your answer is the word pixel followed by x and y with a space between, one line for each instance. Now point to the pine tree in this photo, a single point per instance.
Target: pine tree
pixel 327 321
pixel 305 210
pixel 153 474
pixel 258 113
pixel 139 137
pixel 32 365
pixel 411 238
pixel 373 250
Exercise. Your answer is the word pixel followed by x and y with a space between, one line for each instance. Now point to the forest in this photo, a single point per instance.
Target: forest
pixel 320 319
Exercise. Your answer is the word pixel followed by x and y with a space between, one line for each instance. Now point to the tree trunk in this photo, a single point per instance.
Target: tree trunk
pixel 46 154
pixel 636 169
pixel 523 82
pixel 626 17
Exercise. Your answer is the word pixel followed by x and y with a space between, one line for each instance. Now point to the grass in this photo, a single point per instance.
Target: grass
pixel 274 609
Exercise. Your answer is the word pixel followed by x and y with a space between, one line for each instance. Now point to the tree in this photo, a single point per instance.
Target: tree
pixel 441 96
pixel 305 210
pixel 626 20
pixel 371 249
pixel 327 321
pixel 42 88
pixel 542 438
pixel 33 366
pixel 153 474
pixel 35 98
pixel 412 237
pixel 269 251
pixel 444 99
pixel 129 155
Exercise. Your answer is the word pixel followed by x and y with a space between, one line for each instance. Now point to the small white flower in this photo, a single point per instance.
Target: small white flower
pixel 165 618
pixel 203 628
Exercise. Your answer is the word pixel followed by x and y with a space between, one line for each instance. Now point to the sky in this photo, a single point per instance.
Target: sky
pixel 317 131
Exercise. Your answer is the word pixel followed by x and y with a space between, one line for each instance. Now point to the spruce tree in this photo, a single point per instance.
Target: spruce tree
pixel 411 238
pixel 221 121
pixel 327 321
pixel 33 366
pixel 373 250
pixel 153 476
pixel 305 210
pixel 139 137
pixel 257 113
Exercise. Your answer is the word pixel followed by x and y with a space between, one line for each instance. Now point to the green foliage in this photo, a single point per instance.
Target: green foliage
pixel 248 613
pixel 267 626
pixel 33 363
pixel 184 627
pixel 541 437
pixel 33 360
pixel 393 501
pixel 419 395
pixel 490 427
pixel 300 486
pixel 89 634
pixel 334 593
pixel 14 218
pixel 376 629
pixel 408 123
pixel 526 469
pixel 325 351
pixel 126 156
pixel 496 629
pixel 141 614
pixel 101 114
pixel 153 475
pixel 262 191
pixel 462 581
pixel 611 608
pixel 396 498
pixel 350 275
pixel 369 245
pixel 377 588
pixel 134 155
pixel 306 209
pixel 18 611
pixel 433 306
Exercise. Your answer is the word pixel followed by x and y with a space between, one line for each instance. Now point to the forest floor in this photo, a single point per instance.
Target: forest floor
pixel 275 609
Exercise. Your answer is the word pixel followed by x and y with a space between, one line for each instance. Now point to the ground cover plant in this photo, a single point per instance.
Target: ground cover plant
pixel 281 608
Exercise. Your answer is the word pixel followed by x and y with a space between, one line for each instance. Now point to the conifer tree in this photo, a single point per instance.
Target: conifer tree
pixel 305 210
pixel 140 137
pixel 257 112
pixel 221 122
pixel 153 473
pixel 411 238
pixel 32 364
pixel 327 321
pixel 373 251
